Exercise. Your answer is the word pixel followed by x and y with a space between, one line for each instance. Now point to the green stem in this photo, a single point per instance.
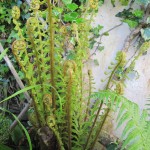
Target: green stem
pixel 112 74
pixel 99 130
pixel 91 130
pixel 95 120
pixel 29 80
pixel 90 91
pixel 69 118
pixel 52 61
pixel 42 121
pixel 107 111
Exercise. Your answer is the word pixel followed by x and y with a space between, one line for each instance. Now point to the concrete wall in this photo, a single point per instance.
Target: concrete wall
pixel 136 90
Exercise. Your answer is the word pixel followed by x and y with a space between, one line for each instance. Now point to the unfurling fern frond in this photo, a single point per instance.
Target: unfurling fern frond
pixel 144 47
pixel 135 135
pixel 120 62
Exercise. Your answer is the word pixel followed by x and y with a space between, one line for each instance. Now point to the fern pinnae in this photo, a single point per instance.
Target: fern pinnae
pixel 29 30
pixel 105 116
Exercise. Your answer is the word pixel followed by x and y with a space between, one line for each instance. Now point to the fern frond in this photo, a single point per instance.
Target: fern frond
pixel 137 126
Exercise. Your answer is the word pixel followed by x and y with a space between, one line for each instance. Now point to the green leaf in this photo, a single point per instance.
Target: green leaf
pixel 130 138
pixel 113 3
pixel 124 2
pixel 4 147
pixel 129 126
pixel 145 33
pixel 79 20
pixel 71 16
pixel 101 48
pixel 106 34
pixel 92 44
pixel 19 92
pixel 131 23
pixel 96 62
pixel 138 13
pixel 72 6
pixel 21 75
pixel 2 28
pixel 125 117
pixel 67 2
pixel 100 27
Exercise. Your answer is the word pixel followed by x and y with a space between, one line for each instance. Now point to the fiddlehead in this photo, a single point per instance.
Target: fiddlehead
pixel 19 46
pixel 93 4
pixel 121 60
pixel 49 117
pixel 16 16
pixel 35 5
pixel 144 47
pixel 15 13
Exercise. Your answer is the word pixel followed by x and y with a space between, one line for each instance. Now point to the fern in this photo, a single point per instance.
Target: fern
pixel 65 106
pixel 135 134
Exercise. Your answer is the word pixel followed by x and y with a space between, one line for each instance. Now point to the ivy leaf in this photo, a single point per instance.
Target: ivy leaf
pixel 138 13
pixel 100 27
pixel 71 16
pixel 72 6
pixel 67 2
pixel 96 30
pixel 96 62
pixel 101 48
pixel 79 20
pixel 124 2
pixel 92 44
pixel 106 34
pixel 113 3
pixel 145 33
pixel 131 23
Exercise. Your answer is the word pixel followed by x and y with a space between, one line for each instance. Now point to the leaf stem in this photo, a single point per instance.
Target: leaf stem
pixel 52 61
